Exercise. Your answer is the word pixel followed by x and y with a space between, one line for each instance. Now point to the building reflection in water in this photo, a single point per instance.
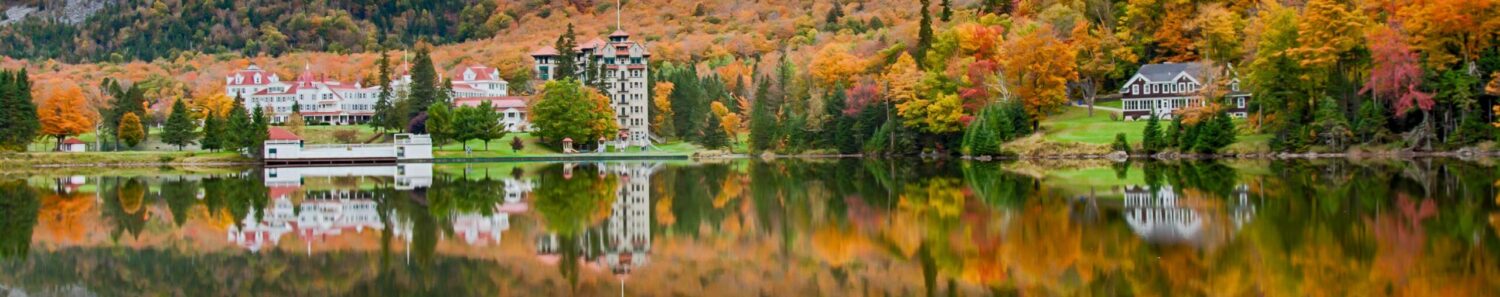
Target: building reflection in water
pixel 1161 217
pixel 622 243
pixel 325 213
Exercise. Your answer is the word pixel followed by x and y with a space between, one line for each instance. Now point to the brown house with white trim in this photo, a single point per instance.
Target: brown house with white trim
pixel 1164 88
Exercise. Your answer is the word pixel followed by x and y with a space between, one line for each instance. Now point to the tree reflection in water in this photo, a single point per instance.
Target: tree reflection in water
pixel 785 227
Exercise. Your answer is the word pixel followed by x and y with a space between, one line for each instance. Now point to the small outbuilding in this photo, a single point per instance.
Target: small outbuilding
pixel 73 145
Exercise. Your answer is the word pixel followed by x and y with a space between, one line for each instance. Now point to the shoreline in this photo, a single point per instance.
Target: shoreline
pixel 1466 153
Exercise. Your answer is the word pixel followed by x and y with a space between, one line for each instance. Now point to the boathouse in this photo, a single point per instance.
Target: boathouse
pixel 285 148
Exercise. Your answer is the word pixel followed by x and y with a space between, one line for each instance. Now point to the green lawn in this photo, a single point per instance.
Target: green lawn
pixel 11 160
pixel 1073 125
pixel 501 148
pixel 1111 104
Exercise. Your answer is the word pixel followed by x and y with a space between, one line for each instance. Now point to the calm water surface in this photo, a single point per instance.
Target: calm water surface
pixel 752 228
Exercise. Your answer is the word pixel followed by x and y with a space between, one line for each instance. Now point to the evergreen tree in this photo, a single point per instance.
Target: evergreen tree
pixel 1151 141
pixel 1120 144
pixel 713 135
pixel 386 116
pixel 762 118
pixel 794 131
pixel 19 125
pixel 180 127
pixel 566 56
pixel 130 99
pixel 982 137
pixel 837 128
pixel 1371 123
pixel 259 132
pixel 947 14
pixel 424 84
pixel 1174 134
pixel 831 21
pixel 689 101
pixel 439 123
pixel 1214 134
pixel 296 107
pixel 238 127
pixel 213 133
pixel 924 36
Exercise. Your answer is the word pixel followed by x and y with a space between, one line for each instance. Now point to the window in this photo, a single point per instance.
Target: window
pixel 1135 90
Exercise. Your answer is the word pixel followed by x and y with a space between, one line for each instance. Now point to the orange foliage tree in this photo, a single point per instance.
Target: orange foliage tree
pixel 1039 67
pixel 64 114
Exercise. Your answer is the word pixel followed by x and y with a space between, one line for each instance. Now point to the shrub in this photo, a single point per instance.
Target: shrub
pixel 1120 143
pixel 346 135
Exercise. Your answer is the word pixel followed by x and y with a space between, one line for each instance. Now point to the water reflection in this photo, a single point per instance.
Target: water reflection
pixel 788 227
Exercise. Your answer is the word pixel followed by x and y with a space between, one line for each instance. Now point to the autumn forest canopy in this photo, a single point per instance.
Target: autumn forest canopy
pixel 950 76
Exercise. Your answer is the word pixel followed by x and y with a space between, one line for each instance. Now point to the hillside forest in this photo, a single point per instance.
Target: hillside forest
pixel 889 76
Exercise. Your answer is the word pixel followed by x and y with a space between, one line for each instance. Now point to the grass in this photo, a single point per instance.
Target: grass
pixel 19 160
pixel 324 134
pixel 1111 104
pixel 501 148
pixel 1073 125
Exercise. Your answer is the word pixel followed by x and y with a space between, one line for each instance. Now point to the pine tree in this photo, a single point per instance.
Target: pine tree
pixel 831 21
pixel 982 137
pixel 259 132
pixel 1174 134
pixel 386 116
pixel 837 128
pixel 1372 120
pixel 213 133
pixel 947 14
pixel 924 36
pixel 1120 144
pixel 130 99
pixel 762 118
pixel 566 56
pixel 180 126
pixel 424 84
pixel 1151 141
pixel 714 136
pixel 237 128
pixel 18 118
pixel 296 107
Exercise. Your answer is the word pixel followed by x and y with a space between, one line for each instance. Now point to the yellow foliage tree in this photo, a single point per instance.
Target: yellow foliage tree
pixel 902 79
pixel 661 121
pixel 728 121
pixel 213 103
pixel 1039 67
pixel 64 114
pixel 1327 32
pixel 1439 27
pixel 835 66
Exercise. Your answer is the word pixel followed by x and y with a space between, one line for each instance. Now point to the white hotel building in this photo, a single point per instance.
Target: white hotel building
pixel 623 65
pixel 335 102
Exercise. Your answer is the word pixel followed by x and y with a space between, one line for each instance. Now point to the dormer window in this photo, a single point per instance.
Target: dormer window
pixel 257 78
pixel 469 75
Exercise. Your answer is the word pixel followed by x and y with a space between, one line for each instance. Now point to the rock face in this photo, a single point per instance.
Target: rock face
pixel 69 12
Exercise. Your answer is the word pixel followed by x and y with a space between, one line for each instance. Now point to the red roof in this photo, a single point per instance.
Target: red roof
pixel 72 141
pixel 481 72
pixel 544 51
pixel 277 133
pixel 619 33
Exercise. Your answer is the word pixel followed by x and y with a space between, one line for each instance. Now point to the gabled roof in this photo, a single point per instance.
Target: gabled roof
pixel 1169 71
pixel 619 33
pixel 277 133
pixel 481 72
pixel 545 51
pixel 72 141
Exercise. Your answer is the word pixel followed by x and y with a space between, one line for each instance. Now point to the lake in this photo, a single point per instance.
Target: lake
pixel 800 227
